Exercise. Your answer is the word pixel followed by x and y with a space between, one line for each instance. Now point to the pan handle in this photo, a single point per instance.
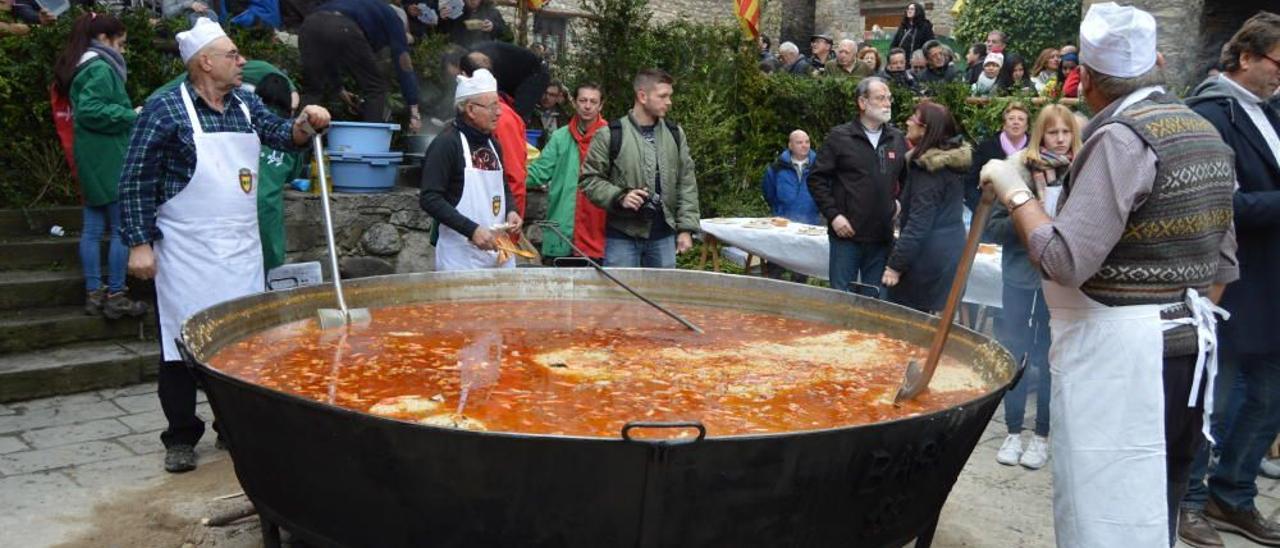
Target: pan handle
pixel 696 425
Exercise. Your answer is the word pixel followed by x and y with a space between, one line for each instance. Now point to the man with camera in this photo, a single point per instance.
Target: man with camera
pixel 639 170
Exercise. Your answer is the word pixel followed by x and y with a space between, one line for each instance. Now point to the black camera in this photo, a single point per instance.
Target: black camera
pixel 652 205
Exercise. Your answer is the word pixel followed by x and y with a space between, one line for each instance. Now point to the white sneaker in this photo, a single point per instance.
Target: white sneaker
pixel 1037 453
pixel 1010 451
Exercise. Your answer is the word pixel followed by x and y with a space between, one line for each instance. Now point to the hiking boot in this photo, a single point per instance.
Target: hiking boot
pixel 1247 523
pixel 119 305
pixel 94 300
pixel 1036 454
pixel 179 459
pixel 1196 531
pixel 1010 451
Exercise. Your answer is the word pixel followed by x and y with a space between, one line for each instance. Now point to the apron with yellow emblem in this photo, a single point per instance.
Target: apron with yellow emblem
pixel 210 251
pixel 484 202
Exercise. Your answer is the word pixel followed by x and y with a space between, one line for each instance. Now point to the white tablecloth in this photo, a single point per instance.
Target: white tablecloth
pixel 806 254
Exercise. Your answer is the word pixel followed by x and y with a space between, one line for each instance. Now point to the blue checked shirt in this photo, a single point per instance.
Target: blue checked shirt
pixel 162 152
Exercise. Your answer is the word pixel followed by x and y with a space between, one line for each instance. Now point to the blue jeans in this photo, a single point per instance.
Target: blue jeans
pixel 640 252
pixel 96 221
pixel 855 262
pixel 1228 397
pixel 1025 330
pixel 1249 433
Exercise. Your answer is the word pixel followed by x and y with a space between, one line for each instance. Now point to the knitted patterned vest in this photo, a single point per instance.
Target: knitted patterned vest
pixel 1172 241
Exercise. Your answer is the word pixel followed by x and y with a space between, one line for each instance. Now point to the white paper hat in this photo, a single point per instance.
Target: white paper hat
pixel 997 58
pixel 200 35
pixel 1118 40
pixel 481 81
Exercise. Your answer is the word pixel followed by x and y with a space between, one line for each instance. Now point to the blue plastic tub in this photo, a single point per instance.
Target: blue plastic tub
pixel 364 173
pixel 532 135
pixel 360 136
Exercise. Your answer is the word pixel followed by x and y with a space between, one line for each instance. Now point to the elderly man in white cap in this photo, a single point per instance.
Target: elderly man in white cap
pixel 462 184
pixel 189 195
pixel 1132 250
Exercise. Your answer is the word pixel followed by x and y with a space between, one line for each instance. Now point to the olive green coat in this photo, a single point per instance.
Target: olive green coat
pixel 605 184
pixel 103 117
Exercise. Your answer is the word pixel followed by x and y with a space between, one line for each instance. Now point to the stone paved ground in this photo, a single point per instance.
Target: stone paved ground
pixel 85 470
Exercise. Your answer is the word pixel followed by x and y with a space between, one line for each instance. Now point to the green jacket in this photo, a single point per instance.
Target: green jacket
pixel 103 117
pixel 636 167
pixel 557 169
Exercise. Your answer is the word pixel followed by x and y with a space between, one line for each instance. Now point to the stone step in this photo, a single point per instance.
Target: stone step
pixel 36 328
pixel 42 252
pixel 40 288
pixel 23 222
pixel 76 368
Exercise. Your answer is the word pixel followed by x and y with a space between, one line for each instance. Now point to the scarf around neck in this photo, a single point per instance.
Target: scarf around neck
pixel 1049 170
pixel 112 57
pixel 584 139
pixel 1010 148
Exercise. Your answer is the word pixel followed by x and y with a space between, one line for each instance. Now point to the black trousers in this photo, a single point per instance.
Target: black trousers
pixel 177 390
pixel 332 44
pixel 1182 435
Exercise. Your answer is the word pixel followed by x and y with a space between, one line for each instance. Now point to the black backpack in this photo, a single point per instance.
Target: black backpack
pixel 615 137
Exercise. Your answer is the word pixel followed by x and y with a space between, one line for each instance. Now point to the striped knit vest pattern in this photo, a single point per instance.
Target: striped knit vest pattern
pixel 1172 241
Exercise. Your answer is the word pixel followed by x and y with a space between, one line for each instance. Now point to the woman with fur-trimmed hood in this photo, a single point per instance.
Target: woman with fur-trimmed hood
pixel 924 258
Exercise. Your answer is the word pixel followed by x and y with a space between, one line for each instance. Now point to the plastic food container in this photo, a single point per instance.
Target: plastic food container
pixel 55 7
pixel 367 172
pixel 360 136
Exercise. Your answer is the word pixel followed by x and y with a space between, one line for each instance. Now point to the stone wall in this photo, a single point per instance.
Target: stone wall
pixel 375 233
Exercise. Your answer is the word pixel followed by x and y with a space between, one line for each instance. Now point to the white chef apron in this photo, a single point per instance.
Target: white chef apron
pixel 484 202
pixel 1107 416
pixel 210 250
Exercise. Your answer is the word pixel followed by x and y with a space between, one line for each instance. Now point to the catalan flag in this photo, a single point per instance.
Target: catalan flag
pixel 748 12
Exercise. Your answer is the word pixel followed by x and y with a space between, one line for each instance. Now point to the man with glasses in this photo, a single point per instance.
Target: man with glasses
pixel 462 184
pixel 858 172
pixel 188 192
pixel 1235 103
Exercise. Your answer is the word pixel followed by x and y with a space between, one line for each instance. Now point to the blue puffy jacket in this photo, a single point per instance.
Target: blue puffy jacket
pixel 787 193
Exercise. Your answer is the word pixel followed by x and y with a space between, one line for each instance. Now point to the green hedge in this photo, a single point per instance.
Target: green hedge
pixel 1032 25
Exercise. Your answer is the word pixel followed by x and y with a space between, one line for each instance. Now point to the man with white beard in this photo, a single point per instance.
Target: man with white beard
pixel 858 170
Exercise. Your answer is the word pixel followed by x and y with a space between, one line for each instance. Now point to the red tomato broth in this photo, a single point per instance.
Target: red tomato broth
pixel 431 350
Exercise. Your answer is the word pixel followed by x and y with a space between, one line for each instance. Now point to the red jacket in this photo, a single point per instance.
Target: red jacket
pixel 1071 88
pixel 515 155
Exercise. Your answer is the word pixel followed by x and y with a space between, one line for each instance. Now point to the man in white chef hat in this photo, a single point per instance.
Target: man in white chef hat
pixel 462 184
pixel 188 193
pixel 1133 250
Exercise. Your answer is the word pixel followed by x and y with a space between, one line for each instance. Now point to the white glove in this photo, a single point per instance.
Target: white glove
pixel 1004 179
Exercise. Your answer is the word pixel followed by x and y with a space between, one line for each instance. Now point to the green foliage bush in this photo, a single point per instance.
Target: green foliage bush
pixel 1032 25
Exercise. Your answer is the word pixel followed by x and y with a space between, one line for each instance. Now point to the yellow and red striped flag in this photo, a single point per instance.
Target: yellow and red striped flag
pixel 536 5
pixel 748 12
